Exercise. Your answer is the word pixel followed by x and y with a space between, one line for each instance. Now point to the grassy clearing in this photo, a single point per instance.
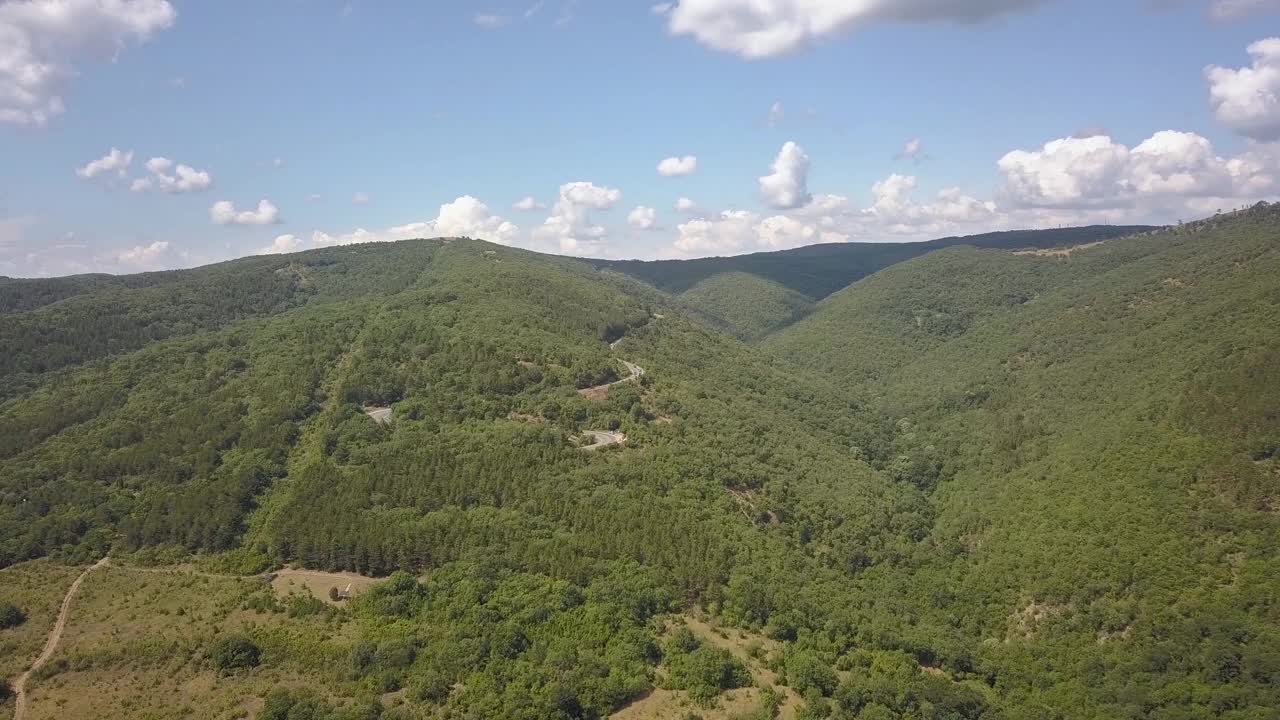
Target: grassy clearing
pixel 37 588
pixel 137 645
pixel 752 649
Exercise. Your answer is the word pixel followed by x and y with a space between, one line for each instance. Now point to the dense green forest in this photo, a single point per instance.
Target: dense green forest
pixel 755 294
pixel 980 482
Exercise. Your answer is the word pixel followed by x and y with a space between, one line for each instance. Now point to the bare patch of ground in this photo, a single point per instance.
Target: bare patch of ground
pixel 380 415
pixel 1058 252
pixel 318 583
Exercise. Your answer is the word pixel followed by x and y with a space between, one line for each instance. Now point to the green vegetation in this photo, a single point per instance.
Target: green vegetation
pixel 702 670
pixel 11 616
pixel 975 484
pixel 746 305
pixel 235 652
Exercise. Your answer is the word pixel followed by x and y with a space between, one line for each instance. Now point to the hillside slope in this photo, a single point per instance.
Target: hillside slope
pixel 1102 430
pixel 751 295
pixel 975 485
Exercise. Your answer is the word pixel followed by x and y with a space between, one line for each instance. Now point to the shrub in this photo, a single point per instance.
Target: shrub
pixel 11 616
pixel 235 652
pixel 706 672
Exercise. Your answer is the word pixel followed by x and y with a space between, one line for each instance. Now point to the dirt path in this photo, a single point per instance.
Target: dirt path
pixel 50 645
pixel 603 438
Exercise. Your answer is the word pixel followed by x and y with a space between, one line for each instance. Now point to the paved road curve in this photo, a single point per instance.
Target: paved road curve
pixel 602 438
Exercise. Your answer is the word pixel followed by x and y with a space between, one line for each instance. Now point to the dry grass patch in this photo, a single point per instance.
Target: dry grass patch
pixel 37 588
pixel 136 644
pixel 318 583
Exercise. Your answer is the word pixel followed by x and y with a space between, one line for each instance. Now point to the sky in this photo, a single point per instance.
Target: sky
pixel 150 134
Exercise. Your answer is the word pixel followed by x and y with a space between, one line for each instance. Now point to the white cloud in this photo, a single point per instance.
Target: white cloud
pixel 528 203
pixel 787 186
pixel 1247 99
pixel 732 231
pixel 282 244
pixel 779 232
pixel 570 223
pixel 643 218
pixel 171 178
pixel 1232 9
pixel 1065 172
pixel 114 161
pixel 661 8
pixel 145 256
pixel 490 21
pixel 1098 172
pixel 912 150
pixel 224 212
pixel 464 217
pixel 766 28
pixel 895 212
pixel 41 41
pixel 360 198
pixel 684 204
pixel 676 166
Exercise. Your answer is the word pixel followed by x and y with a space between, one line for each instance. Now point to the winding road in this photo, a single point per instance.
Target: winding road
pixel 634 373
pixel 50 645
pixel 602 438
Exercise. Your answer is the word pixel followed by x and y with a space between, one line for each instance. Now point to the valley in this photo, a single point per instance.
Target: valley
pixel 1030 475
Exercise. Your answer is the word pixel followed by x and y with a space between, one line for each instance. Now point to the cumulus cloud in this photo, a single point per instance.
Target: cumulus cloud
pixel 787 186
pixel 677 166
pixel 1247 99
pixel 224 212
pixel 765 28
pixel 570 224
pixel 897 212
pixel 166 176
pixel 144 256
pixel 1099 172
pixel 360 198
pixel 730 232
pixel 114 161
pixel 684 204
pixel 661 8
pixel 282 244
pixel 464 217
pixel 643 218
pixel 42 40
pixel 528 203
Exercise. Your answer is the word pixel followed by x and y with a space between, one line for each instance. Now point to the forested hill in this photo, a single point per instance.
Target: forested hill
pixel 756 294
pixel 978 484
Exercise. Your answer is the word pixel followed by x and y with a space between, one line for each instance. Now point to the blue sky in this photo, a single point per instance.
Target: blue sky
pixel 370 120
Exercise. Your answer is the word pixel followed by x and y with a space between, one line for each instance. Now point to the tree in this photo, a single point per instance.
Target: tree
pixel 11 616
pixel 235 652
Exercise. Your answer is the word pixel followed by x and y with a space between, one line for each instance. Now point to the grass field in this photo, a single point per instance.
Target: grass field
pixel 137 645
